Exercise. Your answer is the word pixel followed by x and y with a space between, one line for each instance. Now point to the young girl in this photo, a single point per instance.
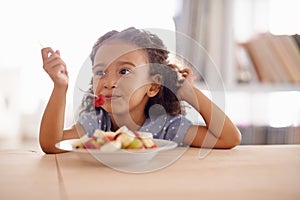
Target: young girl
pixel 142 91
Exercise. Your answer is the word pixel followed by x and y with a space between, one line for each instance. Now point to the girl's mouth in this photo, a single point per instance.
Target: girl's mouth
pixel 111 97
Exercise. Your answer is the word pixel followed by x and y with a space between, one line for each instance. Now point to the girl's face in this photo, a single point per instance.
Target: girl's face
pixel 121 74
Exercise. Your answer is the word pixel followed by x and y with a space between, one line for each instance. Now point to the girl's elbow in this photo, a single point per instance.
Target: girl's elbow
pixel 51 150
pixel 234 140
pixel 48 148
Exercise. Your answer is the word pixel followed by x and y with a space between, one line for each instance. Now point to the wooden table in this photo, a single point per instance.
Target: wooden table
pixel 245 172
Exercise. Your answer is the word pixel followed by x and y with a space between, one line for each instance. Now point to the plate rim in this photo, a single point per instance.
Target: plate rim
pixel 169 145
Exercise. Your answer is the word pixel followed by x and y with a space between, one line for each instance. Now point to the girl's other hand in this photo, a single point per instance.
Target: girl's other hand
pixel 189 79
pixel 188 74
pixel 55 67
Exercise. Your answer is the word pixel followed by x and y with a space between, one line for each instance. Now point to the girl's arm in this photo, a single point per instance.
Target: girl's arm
pixel 52 123
pixel 219 132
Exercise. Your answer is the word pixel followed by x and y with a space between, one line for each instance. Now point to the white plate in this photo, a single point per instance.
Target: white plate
pixel 122 157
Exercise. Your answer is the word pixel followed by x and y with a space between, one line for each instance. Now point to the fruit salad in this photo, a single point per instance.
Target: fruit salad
pixel 123 138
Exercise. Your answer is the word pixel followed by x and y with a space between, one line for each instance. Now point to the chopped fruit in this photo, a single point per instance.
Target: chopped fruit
pixel 84 138
pixel 144 135
pixel 79 143
pixel 111 146
pixel 92 144
pixel 98 133
pixel 123 138
pixel 148 143
pixel 124 129
pixel 100 141
pixel 99 100
pixel 110 135
pixel 146 138
pixel 137 134
pixel 106 136
pixel 136 144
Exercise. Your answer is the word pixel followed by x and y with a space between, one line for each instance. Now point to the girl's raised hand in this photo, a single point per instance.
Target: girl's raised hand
pixel 55 67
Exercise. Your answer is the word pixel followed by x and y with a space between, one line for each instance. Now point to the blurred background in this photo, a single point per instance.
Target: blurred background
pixel 267 112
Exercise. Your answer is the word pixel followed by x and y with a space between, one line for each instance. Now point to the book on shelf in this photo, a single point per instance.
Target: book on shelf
pixel 292 53
pixel 245 68
pixel 296 37
pixel 279 58
pixel 275 58
pixel 261 135
pixel 261 56
pixel 287 51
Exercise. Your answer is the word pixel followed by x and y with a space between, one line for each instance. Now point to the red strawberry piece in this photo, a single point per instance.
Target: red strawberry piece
pixel 99 100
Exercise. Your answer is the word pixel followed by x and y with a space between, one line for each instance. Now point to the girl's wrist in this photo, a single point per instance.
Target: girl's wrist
pixel 186 91
pixel 60 88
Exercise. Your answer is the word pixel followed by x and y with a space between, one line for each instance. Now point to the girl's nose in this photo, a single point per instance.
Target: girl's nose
pixel 110 81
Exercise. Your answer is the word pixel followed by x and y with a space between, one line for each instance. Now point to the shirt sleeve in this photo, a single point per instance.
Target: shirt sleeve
pixel 91 122
pixel 176 129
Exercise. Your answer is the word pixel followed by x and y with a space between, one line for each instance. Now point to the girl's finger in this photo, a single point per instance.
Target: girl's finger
pixel 53 63
pixel 187 71
pixel 57 70
pixel 54 58
pixel 188 74
pixel 45 52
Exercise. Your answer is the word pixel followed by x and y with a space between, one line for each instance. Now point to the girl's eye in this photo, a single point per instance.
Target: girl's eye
pixel 125 71
pixel 99 73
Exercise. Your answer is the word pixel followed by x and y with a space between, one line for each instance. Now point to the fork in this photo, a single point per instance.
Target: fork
pixel 88 93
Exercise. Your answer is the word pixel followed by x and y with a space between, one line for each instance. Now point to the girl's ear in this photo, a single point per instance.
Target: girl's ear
pixel 155 86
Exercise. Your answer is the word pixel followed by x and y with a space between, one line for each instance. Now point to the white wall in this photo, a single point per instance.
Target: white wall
pixel 70 26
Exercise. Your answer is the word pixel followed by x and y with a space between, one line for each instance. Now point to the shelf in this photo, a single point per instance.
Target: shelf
pixel 252 87
pixel 263 87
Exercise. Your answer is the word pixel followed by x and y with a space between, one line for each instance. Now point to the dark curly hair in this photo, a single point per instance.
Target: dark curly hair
pixel 159 64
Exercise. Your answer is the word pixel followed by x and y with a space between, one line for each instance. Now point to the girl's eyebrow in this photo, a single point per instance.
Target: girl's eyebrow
pixel 125 63
pixel 99 65
pixel 121 62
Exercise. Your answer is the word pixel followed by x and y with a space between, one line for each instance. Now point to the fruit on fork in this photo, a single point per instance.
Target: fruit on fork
pixel 99 100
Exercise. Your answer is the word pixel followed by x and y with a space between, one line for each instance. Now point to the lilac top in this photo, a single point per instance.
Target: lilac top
pixel 166 126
